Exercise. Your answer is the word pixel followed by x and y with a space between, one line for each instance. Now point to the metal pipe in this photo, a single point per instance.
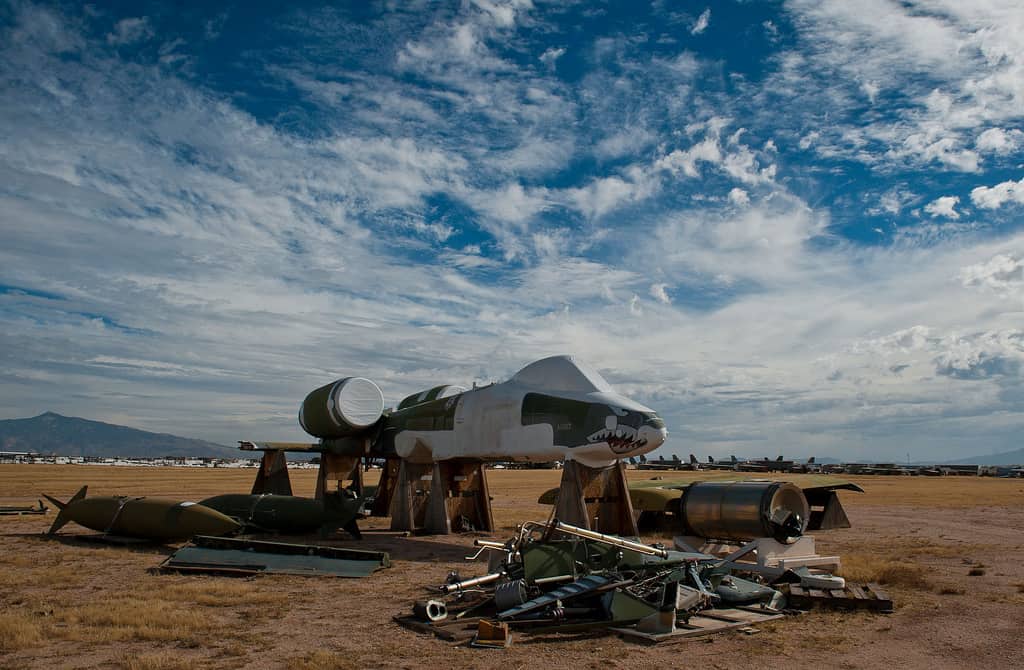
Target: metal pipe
pixel 613 540
pixel 489 544
pixel 468 583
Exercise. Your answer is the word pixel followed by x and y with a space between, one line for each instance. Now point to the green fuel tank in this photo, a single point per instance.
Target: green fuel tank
pixel 342 408
pixel 289 514
pixel 142 517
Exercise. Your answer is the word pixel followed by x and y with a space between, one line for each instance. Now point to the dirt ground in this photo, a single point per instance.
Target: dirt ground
pixel 948 549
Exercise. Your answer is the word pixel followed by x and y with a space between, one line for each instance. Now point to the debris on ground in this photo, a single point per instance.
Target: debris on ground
pixel 556 577
pixel 234 556
pixel 19 510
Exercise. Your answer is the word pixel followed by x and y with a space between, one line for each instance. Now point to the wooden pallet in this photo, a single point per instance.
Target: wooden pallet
pixel 450 629
pixel 854 596
pixel 704 623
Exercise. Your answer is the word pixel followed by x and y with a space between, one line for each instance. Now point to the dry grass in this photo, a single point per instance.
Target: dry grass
pixel 18 632
pixel 871 568
pixel 324 660
pixel 135 619
pixel 157 661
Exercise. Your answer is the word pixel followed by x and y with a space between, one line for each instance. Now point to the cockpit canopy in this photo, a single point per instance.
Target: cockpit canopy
pixel 562 373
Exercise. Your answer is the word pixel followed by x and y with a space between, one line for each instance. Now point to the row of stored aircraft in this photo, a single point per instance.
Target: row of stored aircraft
pixel 734 464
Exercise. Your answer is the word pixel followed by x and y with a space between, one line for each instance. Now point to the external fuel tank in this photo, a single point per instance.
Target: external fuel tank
pixel 741 511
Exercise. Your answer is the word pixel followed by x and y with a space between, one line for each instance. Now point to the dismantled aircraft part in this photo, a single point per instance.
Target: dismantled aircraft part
pixel 18 510
pixel 342 408
pixel 141 517
pixel 430 610
pixel 622 543
pixel 436 393
pixel 288 514
pixel 510 594
pixel 223 555
pixel 457 586
pixel 736 591
pixel 580 587
pixel 744 510
pixel 812 580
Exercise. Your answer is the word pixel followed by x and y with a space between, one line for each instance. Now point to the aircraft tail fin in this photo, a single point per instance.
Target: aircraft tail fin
pixel 810 461
pixel 62 518
pixel 693 459
pixel 732 458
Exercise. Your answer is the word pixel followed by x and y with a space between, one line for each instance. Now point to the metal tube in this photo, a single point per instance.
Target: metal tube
pixel 613 540
pixel 468 583
pixel 489 544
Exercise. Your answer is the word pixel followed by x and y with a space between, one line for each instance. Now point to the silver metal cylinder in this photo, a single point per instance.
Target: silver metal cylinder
pixel 469 583
pixel 613 540
pixel 741 511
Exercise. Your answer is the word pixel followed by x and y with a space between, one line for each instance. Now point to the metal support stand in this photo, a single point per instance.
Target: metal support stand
pixel 596 499
pixel 272 476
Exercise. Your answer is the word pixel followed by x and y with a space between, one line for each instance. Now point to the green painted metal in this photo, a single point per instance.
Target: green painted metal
pixel 287 514
pixel 238 556
pixel 142 517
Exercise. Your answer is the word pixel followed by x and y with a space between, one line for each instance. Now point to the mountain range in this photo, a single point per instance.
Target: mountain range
pixel 52 433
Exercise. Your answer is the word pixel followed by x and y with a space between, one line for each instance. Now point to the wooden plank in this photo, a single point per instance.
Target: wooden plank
pixel 817 593
pixel 797 590
pixel 878 591
pixel 858 593
pixel 704 623
pixel 837 593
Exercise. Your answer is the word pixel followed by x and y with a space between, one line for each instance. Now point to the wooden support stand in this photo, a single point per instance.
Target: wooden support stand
pixel 386 488
pixel 335 471
pixel 273 474
pixel 441 498
pixel 596 499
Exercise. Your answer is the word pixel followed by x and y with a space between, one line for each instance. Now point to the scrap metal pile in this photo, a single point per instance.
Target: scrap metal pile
pixel 558 577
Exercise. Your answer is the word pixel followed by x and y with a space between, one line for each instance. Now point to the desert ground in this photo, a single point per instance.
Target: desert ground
pixel 950 550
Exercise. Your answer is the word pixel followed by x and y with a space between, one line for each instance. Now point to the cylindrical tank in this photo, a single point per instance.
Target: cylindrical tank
pixel 443 391
pixel 743 511
pixel 342 408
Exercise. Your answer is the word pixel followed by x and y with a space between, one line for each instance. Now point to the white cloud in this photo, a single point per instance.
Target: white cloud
pixel 551 56
pixel 944 207
pixel 739 197
pixel 659 293
pixel 993 197
pixel 701 24
pixel 130 31
pixel 1002 274
pixel 999 141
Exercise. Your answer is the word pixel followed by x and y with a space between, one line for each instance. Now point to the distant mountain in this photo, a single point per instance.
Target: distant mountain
pixel 51 433
pixel 1005 458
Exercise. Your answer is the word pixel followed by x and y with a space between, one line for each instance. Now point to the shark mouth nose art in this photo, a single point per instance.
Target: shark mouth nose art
pixel 620 439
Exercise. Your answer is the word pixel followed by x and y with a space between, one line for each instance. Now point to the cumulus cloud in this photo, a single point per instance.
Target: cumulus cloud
pixel 944 207
pixel 739 197
pixel 999 141
pixel 1003 273
pixel 994 197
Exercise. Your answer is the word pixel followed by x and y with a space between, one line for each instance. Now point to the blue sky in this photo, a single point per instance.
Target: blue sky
pixel 789 227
